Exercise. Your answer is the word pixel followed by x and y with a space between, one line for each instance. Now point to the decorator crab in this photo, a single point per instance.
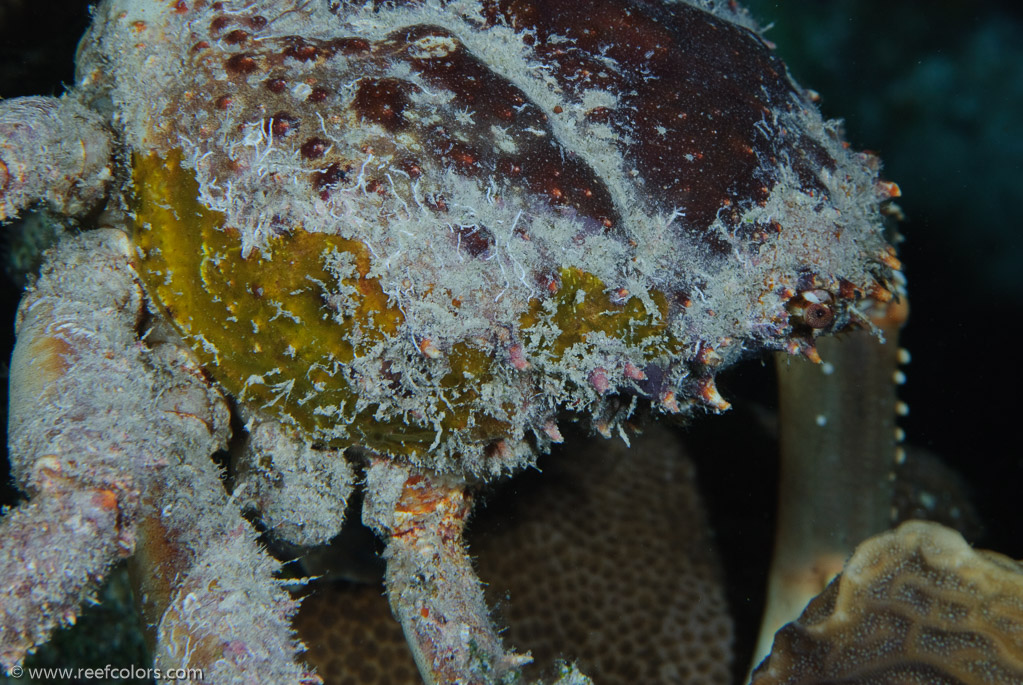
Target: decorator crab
pixel 399 242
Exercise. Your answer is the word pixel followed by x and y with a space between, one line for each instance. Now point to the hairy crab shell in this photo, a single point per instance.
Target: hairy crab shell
pixel 427 228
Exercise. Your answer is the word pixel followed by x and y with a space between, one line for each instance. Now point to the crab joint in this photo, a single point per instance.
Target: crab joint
pixel 431 585
pixel 52 150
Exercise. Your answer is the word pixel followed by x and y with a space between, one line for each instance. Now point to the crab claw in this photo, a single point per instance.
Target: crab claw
pixel 432 587
pixel 111 439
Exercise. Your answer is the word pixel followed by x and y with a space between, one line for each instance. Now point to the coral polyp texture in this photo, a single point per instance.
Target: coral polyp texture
pixel 427 228
pixel 914 605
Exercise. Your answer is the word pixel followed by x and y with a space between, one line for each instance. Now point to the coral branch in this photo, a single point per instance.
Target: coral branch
pixel 431 584
pixel 52 150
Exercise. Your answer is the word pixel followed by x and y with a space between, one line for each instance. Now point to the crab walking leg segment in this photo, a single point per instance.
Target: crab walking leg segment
pixel 74 384
pixel 75 388
pixel 111 439
pixel 207 588
pixel 53 150
pixel 300 491
pixel 41 540
pixel 837 461
pixel 433 590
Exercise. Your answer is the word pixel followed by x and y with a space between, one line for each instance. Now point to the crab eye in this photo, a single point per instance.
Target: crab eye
pixel 818 315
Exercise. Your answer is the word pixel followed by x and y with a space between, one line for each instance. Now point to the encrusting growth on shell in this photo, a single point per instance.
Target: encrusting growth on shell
pixel 915 606
pixel 451 244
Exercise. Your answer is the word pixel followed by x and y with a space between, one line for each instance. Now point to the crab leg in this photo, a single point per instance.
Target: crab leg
pixel 207 590
pixel 71 377
pixel 53 150
pixel 433 590
pixel 300 492
pixel 111 439
pixel 34 543
pixel 837 454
